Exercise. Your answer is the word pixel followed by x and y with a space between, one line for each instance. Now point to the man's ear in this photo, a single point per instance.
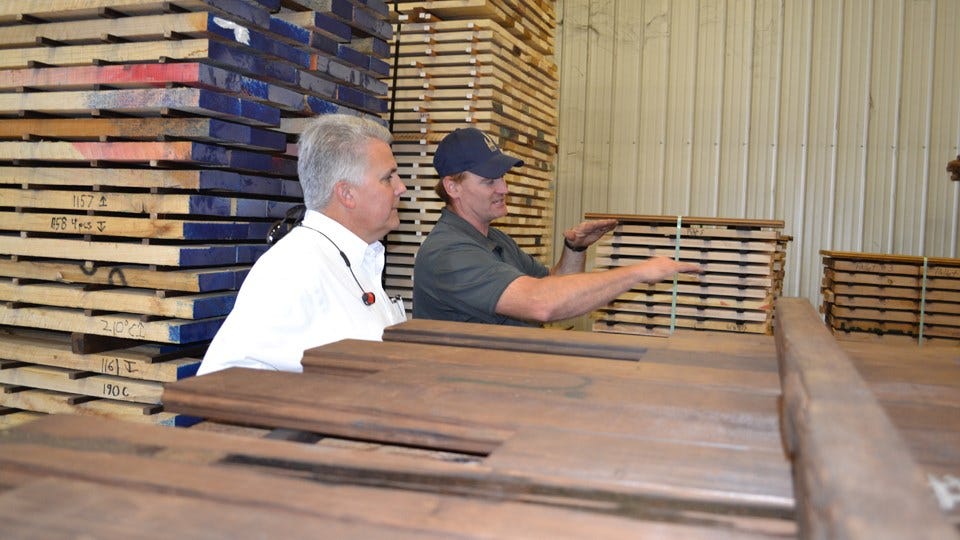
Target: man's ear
pixel 451 186
pixel 345 193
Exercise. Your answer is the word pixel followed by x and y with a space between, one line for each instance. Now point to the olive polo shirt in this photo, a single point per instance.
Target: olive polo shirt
pixel 459 274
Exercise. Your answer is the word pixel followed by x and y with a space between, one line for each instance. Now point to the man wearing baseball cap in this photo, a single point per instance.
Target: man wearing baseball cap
pixel 468 271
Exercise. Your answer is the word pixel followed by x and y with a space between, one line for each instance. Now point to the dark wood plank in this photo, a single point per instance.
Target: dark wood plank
pixel 481 406
pixel 854 476
pixel 335 484
pixel 360 358
pixel 756 353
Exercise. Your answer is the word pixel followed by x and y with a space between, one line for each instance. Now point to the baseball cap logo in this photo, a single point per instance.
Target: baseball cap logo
pixel 491 145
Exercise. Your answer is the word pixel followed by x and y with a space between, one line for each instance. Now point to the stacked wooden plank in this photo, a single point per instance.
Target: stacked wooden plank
pixel 559 426
pixel 483 64
pixel 894 297
pixel 742 261
pixel 671 438
pixel 146 147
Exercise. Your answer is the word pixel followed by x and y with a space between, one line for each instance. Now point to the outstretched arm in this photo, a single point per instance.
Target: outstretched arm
pixel 558 297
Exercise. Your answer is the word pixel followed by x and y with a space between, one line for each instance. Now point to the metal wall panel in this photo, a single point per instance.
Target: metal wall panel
pixel 837 116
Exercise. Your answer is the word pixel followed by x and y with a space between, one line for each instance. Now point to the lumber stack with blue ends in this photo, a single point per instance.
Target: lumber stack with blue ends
pixel 484 64
pixel 146 148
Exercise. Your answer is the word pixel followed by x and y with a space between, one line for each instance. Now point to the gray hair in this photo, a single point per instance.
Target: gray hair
pixel 332 148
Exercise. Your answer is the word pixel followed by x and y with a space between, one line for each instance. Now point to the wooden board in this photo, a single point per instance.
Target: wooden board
pixel 853 474
pixel 125 299
pixel 179 153
pixel 120 325
pixel 148 362
pixel 133 252
pixel 209 130
pixel 133 227
pixel 82 383
pixel 201 180
pixel 357 358
pixel 145 203
pixel 54 10
pixel 127 275
pixel 482 406
pixel 339 491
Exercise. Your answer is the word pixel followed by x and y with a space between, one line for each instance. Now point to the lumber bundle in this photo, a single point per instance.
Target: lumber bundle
pixel 146 147
pixel 677 438
pixel 891 297
pixel 743 262
pixel 485 64
pixel 584 432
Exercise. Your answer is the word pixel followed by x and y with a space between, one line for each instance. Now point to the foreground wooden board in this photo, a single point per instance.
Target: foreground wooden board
pixel 481 406
pixel 350 493
pixel 854 477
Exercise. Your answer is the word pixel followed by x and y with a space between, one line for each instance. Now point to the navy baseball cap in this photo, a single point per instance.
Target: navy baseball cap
pixel 469 149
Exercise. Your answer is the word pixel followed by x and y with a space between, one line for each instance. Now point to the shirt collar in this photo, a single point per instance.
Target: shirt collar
pixel 455 221
pixel 352 245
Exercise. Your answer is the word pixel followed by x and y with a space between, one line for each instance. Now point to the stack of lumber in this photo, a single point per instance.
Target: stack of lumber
pixel 892 297
pixel 481 64
pixel 555 418
pixel 472 431
pixel 146 147
pixel 742 261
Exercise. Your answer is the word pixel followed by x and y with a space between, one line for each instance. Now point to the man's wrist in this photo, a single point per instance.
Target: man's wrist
pixel 573 248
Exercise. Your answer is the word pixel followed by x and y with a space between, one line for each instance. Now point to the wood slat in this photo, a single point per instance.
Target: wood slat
pixel 121 325
pixel 82 383
pixel 854 476
pixel 141 276
pixel 125 299
pixel 145 203
pixel 209 130
pixel 130 252
pixel 202 180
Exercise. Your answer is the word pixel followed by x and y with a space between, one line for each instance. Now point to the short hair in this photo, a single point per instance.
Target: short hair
pixel 332 148
pixel 442 190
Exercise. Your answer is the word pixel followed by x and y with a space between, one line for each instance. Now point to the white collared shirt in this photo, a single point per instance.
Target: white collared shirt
pixel 300 295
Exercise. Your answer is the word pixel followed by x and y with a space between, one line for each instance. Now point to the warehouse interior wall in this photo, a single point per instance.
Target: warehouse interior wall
pixel 836 116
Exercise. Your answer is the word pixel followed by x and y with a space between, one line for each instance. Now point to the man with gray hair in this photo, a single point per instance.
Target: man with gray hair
pixel 321 282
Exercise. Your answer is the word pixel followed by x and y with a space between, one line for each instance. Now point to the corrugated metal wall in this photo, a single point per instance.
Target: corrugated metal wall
pixel 837 116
